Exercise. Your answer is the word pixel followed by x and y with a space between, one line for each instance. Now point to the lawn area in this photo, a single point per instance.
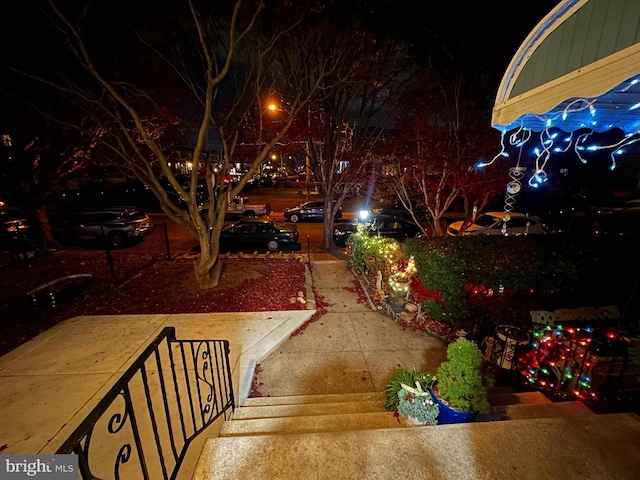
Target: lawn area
pixel 140 285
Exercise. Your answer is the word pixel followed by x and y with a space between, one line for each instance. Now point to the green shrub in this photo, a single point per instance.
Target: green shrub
pixel 538 264
pixel 440 269
pixel 460 380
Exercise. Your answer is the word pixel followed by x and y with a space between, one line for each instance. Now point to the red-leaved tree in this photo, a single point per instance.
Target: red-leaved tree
pixel 440 138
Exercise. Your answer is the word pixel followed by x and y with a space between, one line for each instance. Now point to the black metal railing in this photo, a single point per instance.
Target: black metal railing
pixel 143 426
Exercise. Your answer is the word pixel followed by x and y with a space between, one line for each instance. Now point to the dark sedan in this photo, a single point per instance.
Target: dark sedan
pixel 386 226
pixel 259 234
pixel 312 210
pixel 397 209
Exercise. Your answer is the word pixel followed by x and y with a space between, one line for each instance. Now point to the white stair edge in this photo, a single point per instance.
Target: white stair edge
pixel 310 399
pixel 307 409
pixel 312 424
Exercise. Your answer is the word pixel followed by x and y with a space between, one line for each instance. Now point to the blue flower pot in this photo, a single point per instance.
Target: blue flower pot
pixel 397 307
pixel 448 415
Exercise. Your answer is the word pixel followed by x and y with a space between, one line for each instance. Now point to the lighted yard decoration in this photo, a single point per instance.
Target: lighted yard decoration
pixel 575 353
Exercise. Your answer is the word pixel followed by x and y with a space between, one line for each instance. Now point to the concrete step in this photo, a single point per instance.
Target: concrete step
pixel 517 398
pixel 591 447
pixel 313 423
pixel 534 410
pixel 306 399
pixel 306 409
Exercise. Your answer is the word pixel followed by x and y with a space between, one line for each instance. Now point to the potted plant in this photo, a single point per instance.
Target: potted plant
pixel 461 387
pixel 408 393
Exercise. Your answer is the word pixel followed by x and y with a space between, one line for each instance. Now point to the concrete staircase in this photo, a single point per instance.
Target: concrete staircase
pixel 351 436
pixel 311 413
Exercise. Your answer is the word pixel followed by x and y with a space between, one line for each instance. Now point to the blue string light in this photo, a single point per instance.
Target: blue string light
pixel 576 114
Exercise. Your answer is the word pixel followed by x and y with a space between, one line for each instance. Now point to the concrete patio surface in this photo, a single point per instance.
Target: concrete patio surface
pixel 49 384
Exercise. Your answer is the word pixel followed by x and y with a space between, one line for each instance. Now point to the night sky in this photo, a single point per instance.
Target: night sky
pixel 482 34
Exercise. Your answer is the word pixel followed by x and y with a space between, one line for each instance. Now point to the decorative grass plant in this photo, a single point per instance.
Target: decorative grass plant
pixel 404 376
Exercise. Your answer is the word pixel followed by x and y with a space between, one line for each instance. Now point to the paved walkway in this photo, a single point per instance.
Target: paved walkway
pixel 349 349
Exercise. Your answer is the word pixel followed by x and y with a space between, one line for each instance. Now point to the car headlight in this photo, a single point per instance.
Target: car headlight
pixel 364 215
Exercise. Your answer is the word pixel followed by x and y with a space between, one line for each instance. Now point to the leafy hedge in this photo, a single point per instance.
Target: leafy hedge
pixel 543 271
pixel 572 272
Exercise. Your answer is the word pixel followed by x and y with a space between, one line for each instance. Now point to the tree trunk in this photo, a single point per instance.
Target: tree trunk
pixel 438 227
pixel 327 232
pixel 48 239
pixel 206 275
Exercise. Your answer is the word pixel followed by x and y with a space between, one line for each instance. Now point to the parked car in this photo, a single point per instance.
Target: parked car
pixel 383 225
pixel 397 209
pixel 622 222
pixel 312 210
pixel 500 223
pixel 15 232
pixel 628 206
pixel 118 226
pixel 12 219
pixel 259 233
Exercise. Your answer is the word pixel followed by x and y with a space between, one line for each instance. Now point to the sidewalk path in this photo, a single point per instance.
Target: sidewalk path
pixel 349 349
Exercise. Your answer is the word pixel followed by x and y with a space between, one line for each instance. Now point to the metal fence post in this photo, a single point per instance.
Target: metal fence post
pixel 308 250
pixel 166 241
pixel 107 251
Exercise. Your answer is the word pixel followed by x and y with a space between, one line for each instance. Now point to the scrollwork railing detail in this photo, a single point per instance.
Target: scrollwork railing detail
pixel 160 427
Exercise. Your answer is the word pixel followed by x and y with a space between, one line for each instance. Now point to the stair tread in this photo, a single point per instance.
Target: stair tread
pixel 313 423
pixel 470 450
pixel 304 399
pixel 513 398
pixel 534 410
pixel 290 410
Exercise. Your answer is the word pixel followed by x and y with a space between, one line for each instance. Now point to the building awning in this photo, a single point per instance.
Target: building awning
pixel 578 69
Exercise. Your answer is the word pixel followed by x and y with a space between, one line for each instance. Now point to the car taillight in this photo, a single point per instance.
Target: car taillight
pixel 292 235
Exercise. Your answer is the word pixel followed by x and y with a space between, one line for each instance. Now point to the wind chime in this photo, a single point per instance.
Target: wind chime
pixel 513 188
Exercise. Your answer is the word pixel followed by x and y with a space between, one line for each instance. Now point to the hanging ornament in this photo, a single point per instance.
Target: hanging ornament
pixel 513 187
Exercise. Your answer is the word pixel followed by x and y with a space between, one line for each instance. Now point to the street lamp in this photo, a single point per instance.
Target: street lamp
pixel 273 107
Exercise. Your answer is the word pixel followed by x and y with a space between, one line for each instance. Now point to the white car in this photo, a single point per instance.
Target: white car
pixel 500 223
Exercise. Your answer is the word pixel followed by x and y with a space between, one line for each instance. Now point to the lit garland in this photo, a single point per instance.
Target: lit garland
pixel 399 281
pixel 404 270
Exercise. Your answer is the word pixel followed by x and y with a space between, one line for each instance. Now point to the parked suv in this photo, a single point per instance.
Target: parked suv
pixel 384 225
pixel 118 226
pixel 15 234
